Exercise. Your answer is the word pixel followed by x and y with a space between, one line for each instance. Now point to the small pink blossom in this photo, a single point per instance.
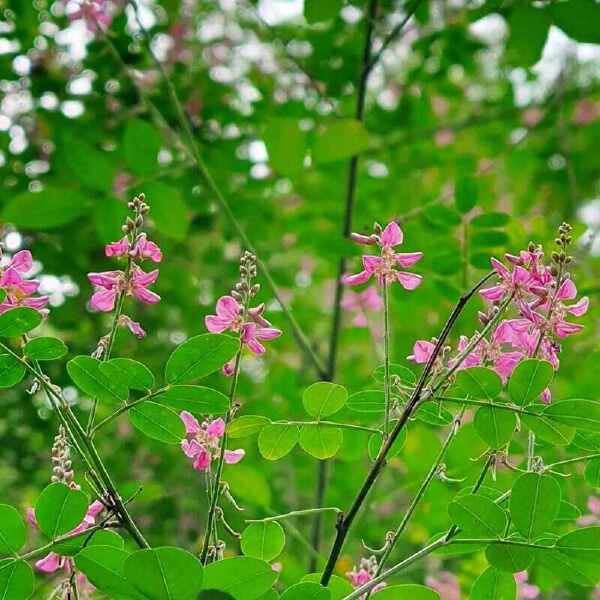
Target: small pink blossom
pixel 117 249
pixel 422 351
pixel 144 248
pixel 361 304
pixel 593 517
pixel 202 442
pixel 19 290
pixel 133 326
pixel 525 590
pixel 445 584
pixel 95 13
pixel 383 267
pixel 364 573
pixel 109 284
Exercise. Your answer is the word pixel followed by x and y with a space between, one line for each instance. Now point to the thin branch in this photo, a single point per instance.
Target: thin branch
pixel 297 513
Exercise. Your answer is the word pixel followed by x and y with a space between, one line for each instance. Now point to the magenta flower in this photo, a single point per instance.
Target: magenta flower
pixel 133 326
pixel 364 573
pixel 52 562
pixel 117 249
pixel 526 591
pixel 422 351
pixel 383 267
pixel 593 518
pixel 20 291
pixel 518 282
pixel 110 284
pixel 144 248
pixel 202 442
pixel 361 304
pixel 253 330
pixel 96 14
pixel 445 584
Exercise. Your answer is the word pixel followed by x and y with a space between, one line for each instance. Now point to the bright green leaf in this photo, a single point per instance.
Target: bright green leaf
pixel 141 143
pixel 85 372
pixel 12 530
pixel 320 441
pixel 495 426
pixel 277 440
pixel 479 382
pixel 530 378
pixel 246 425
pixel 197 399
pixel 264 540
pixel 339 140
pixel 157 422
pixel 580 414
pixel 11 371
pixel 128 372
pixel 243 577
pixel 367 401
pixel 478 516
pixel 323 399
pixel 509 558
pixel 19 321
pixel 45 348
pixel 60 509
pixel 16 580
pixel 494 585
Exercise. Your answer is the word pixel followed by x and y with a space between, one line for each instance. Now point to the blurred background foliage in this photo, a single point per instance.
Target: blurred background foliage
pixel 480 133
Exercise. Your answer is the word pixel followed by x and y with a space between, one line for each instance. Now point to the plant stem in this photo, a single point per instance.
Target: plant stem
pixel 344 524
pixel 508 407
pixel 570 461
pixel 386 358
pixel 297 513
pixel 216 491
pixel 330 424
pixel 420 492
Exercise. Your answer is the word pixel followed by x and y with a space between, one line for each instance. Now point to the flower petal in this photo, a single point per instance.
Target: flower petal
pixel 22 261
pixel 392 235
pixel 408 259
pixel 567 290
pixel 192 427
pixel 579 308
pixel 228 307
pixel 104 300
pixel 357 279
pixel 234 456
pixel 216 428
pixel 409 281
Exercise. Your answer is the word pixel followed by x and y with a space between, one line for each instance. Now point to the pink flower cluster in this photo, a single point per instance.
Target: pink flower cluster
pixel 202 442
pixel 383 267
pixel 252 327
pixel 134 281
pixel 20 291
pixel 445 584
pixel 361 304
pixel 365 572
pixel 540 300
pixel 95 13
pixel 52 562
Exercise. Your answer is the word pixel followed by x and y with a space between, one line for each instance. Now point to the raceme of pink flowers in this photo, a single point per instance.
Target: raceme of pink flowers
pixel 96 14
pixel 364 573
pixel 253 328
pixel 384 266
pixel 19 290
pixel 543 305
pixel 134 282
pixel 202 442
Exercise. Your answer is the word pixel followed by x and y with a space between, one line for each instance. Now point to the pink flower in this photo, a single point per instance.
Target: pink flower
pixel 383 267
pixel 117 249
pixel 20 291
pixel 516 282
pixel 364 573
pixel 362 303
pixel 253 334
pixel 593 518
pixel 445 584
pixel 95 13
pixel 422 351
pixel 133 326
pixel 109 284
pixel 144 248
pixel 525 590
pixel 202 442
pixel 52 562
pixel 228 317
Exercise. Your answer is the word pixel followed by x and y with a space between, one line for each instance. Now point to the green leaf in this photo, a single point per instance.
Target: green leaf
pixel 433 414
pixel 317 11
pixel 367 401
pixel 566 568
pixel 45 348
pixel 264 540
pixel 489 239
pixel 168 210
pixel 277 440
pixel 306 590
pixel 16 580
pixel 494 585
pixel 11 371
pixel 323 399
pixel 47 209
pixel 511 559
pixel 442 216
pixel 578 19
pixel 490 219
pixel 592 472
pixel 410 591
pixel 376 441
pixel 549 430
pixel 534 503
pixel 2 295
pixel 406 376
pixel 495 426
pixel 200 356
pixel 250 485
pixel 339 140
pixel 60 509
pixel 568 512
pixel 89 165
pixel 466 194
pixel 286 145
pixel 338 587
pixel 103 566
pixel 243 577
pixel 141 143
pixel 85 372
pixel 128 372
pixel 529 380
pixel 478 516
pixel 582 544
pixel 320 441
pixel 12 530
pixel 197 399
pixel 246 425
pixel 580 414
pixel 19 321
pixel 106 537
pixel 479 382
pixel 157 422
pixel 528 33
pixel 158 573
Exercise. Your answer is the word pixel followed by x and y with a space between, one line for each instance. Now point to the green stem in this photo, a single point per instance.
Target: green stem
pixel 570 461
pixel 217 479
pixel 468 401
pixel 297 513
pixel 386 359
pixel 330 424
